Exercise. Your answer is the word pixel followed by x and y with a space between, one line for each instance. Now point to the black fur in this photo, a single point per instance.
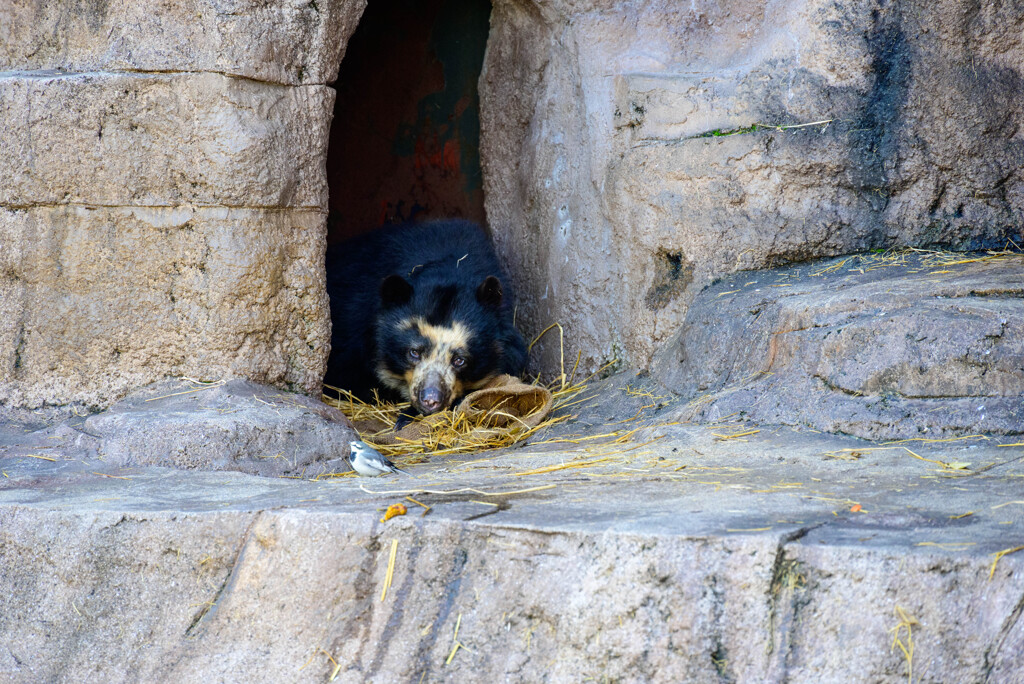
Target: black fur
pixel 442 272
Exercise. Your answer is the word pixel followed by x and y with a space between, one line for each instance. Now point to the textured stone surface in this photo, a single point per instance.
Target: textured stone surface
pixel 160 225
pixel 284 41
pixel 165 197
pixel 233 425
pixel 864 346
pixel 696 557
pixel 98 301
pixel 687 559
pixel 612 210
pixel 163 140
pixel 238 425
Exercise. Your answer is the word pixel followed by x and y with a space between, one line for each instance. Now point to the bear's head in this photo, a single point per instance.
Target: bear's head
pixel 437 342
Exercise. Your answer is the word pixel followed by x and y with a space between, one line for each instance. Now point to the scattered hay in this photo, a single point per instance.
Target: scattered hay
pixel 456 644
pixel 565 466
pixel 390 575
pixel 906 623
pixel 844 454
pixel 702 400
pixel 945 466
pixel 925 259
pixel 925 440
pixel 734 436
pixel 203 386
pixel 946 545
pixel 855 454
pixel 606 454
pixel 1000 554
pixel 449 432
pixel 426 508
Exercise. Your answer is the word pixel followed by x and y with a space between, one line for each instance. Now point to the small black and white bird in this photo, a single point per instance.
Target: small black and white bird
pixel 369 462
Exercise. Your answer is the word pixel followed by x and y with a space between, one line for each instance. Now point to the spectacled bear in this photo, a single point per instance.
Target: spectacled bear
pixel 420 313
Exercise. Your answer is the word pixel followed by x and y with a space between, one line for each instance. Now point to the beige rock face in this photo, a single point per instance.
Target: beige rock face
pixel 157 140
pixel 133 132
pixel 163 210
pixel 100 300
pixel 614 197
pixel 876 350
pixel 227 577
pixel 281 41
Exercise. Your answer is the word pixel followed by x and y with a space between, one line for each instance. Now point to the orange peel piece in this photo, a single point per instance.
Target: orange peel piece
pixel 394 510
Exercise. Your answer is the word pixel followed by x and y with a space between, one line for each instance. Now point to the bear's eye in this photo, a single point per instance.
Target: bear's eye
pixel 414 354
pixel 459 361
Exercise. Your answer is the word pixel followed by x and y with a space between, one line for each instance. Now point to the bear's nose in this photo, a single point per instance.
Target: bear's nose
pixel 430 398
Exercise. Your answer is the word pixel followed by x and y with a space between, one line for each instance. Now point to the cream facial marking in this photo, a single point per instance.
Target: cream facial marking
pixel 434 369
pixel 442 337
pixel 397 381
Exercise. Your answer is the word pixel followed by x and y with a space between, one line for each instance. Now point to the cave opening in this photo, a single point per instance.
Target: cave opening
pixel 404 142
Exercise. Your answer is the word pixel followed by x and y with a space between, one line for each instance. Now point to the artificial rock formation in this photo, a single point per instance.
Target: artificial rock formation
pixel 234 425
pixel 162 214
pixel 615 196
pixel 877 348
pixel 276 41
pixel 164 209
pixel 693 559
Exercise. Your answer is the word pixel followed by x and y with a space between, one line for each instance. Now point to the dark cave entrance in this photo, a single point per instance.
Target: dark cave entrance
pixel 404 142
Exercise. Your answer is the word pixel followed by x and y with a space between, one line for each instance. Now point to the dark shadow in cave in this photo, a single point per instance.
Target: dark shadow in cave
pixel 405 139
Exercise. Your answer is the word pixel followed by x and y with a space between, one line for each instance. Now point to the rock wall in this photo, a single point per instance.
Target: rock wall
pixel 164 206
pixel 875 347
pixel 163 212
pixel 624 171
pixel 294 595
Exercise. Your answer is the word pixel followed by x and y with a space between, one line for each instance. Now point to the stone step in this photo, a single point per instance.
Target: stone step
pixel 781 555
pixel 882 347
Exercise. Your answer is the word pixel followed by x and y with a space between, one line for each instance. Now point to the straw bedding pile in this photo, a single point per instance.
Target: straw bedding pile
pixel 503 413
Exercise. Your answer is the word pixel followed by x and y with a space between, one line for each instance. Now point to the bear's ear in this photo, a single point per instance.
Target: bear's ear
pixel 395 291
pixel 489 292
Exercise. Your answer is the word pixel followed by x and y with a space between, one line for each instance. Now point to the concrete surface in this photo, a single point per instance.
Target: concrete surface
pixel 98 301
pixel 165 200
pixel 623 173
pixel 281 41
pixel 162 140
pixel 611 190
pixel 881 346
pixel 781 555
pixel 228 425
